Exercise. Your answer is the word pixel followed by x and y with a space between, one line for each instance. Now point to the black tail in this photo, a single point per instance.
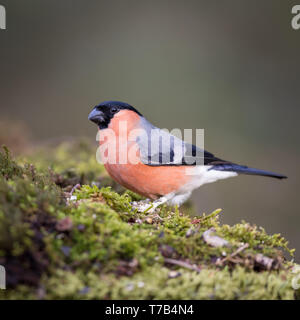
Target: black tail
pixel 245 170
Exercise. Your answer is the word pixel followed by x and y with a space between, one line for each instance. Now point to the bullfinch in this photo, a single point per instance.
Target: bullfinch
pixel 153 162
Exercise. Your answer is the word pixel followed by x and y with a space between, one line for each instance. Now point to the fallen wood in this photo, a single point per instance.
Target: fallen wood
pixel 182 264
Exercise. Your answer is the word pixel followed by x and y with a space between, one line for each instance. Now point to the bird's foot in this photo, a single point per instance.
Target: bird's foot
pixel 143 206
pixel 147 206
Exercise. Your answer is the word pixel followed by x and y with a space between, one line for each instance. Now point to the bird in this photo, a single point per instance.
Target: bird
pixel 154 163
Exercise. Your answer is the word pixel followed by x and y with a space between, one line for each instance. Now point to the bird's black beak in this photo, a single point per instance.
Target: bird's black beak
pixel 96 116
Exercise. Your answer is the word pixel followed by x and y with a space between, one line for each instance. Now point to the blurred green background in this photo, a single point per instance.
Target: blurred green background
pixel 231 67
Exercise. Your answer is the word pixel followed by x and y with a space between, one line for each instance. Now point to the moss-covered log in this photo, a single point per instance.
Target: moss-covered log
pixel 68 232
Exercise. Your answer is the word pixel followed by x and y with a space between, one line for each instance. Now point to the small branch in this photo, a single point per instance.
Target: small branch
pixel 77 186
pixel 182 264
pixel 235 253
pixel 240 249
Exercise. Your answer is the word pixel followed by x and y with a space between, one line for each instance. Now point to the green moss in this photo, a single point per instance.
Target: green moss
pixel 95 246
pixel 8 167
pixel 155 283
pixel 71 162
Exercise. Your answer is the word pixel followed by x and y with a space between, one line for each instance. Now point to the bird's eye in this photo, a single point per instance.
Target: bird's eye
pixel 114 109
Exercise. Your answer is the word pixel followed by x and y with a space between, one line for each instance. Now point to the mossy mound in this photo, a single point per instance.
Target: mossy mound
pixel 65 233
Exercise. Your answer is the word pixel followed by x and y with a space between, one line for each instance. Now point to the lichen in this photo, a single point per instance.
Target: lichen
pixel 87 242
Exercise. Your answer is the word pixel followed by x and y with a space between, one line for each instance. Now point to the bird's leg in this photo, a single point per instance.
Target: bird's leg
pixel 156 203
pixel 147 206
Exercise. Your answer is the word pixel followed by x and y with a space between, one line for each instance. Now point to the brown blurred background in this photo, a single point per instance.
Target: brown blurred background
pixel 231 67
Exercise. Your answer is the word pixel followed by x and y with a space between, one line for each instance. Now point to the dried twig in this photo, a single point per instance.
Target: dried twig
pixel 240 249
pixel 235 253
pixel 182 264
pixel 77 186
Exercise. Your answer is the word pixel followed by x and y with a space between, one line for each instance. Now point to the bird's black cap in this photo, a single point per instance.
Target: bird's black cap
pixel 105 111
